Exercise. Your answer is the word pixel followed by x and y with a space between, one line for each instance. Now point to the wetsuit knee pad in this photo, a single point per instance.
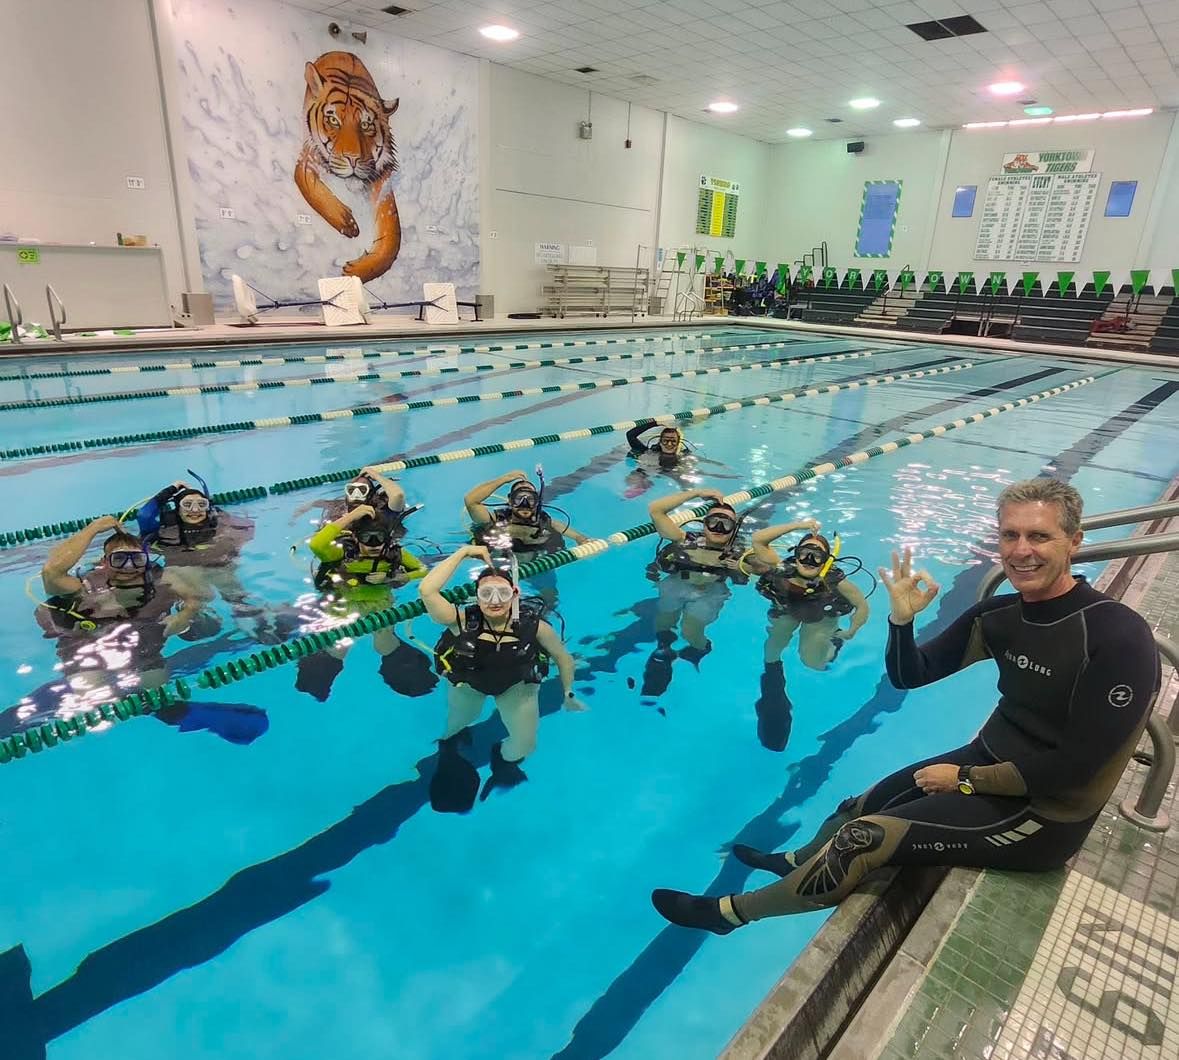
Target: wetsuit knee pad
pixel 858 847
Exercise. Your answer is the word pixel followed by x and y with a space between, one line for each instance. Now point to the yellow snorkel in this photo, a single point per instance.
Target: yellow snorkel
pixel 835 547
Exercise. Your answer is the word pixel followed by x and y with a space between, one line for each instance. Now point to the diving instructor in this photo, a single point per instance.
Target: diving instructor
pixel 1077 675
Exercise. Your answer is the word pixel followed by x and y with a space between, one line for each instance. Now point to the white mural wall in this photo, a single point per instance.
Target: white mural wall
pixel 243 79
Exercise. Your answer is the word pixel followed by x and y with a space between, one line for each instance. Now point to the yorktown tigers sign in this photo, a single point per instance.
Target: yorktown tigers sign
pixel 348 137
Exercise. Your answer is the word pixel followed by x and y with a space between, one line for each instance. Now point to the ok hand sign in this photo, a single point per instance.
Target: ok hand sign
pixel 909 592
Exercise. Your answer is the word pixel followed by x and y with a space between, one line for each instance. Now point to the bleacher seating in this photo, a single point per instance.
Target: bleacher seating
pixel 1166 338
pixel 829 305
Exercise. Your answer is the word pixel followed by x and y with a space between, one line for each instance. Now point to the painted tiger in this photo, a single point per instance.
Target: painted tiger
pixel 348 136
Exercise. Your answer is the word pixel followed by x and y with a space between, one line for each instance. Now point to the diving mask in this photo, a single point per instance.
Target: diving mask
pixel 720 524
pixel 357 492
pixel 371 538
pixel 525 500
pixel 811 555
pixel 121 559
pixel 495 594
pixel 194 504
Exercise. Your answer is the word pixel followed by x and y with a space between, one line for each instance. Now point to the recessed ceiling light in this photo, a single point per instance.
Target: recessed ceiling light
pixel 722 106
pixel 1029 121
pixel 864 103
pixel 906 123
pixel 799 132
pixel 500 33
pixel 1141 112
pixel 1037 112
pixel 1006 88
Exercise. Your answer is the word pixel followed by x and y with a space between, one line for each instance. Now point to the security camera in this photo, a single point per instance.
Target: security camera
pixel 334 28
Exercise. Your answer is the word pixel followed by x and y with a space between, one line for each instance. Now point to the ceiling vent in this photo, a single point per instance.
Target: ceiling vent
pixel 942 28
pixel 644 79
pixel 393 9
pixel 587 69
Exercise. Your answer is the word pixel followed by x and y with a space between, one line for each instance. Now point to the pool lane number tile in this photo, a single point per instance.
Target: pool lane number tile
pixel 1101 985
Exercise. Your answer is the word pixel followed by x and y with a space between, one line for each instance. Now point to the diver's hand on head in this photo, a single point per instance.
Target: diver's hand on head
pixel 105 522
pixel 477 552
pixel 813 525
pixel 909 592
pixel 710 494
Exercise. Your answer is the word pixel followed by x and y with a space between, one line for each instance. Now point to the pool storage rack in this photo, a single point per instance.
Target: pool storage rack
pixel 594 290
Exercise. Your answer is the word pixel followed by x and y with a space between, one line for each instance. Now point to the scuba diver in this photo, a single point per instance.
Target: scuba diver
pixel 384 495
pixel 522 527
pixel 668 454
pixel 500 647
pixel 360 564
pixel 697 567
pixel 111 623
pixel 807 589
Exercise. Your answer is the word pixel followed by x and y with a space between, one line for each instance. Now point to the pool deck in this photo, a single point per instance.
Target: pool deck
pixel 1078 964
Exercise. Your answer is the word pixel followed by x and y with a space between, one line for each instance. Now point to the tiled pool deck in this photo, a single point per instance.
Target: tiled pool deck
pixel 1079 964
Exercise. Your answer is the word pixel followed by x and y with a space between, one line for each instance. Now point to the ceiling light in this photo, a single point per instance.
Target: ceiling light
pixel 722 106
pixel 906 123
pixel 1076 117
pixel 500 33
pixel 865 103
pixel 1006 88
pixel 1029 121
pixel 799 132
pixel 1036 112
pixel 1141 112
pixel 984 125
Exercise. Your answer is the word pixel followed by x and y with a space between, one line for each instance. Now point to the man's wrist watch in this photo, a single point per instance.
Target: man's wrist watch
pixel 964 783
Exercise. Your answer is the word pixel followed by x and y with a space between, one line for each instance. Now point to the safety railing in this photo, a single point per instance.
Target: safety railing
pixel 56 306
pixel 1147 810
pixel 15 318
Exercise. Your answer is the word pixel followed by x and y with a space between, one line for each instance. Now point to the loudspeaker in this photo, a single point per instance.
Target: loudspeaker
pixel 856 147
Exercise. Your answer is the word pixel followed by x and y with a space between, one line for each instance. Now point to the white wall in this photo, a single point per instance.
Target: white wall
pixel 82 112
pixel 817 189
pixel 550 186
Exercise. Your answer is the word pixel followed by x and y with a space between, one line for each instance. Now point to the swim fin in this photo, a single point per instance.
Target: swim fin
pixel 240 723
pixel 504 774
pixel 657 672
pixel 774 709
pixel 694 655
pixel 455 782
pixel 407 671
pixel 316 674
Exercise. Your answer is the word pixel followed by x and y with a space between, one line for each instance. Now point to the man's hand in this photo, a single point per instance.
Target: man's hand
pixel 710 494
pixel 934 779
pixel 104 522
pixel 909 592
pixel 477 552
pixel 361 511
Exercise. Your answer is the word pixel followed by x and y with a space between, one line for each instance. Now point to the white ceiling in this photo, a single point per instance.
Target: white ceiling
pixel 798 63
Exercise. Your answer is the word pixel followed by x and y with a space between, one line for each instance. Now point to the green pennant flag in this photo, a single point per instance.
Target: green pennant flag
pixel 965 279
pixel 830 274
pixel 783 279
pixel 680 255
pixel 699 261
pixel 853 278
pixel 1063 279
pixel 1029 281
pixel 805 273
pixel 997 281
pixel 759 269
pixel 907 279
pixel 1100 282
pixel 1138 278
pixel 880 278
pixel 934 278
pixel 739 266
pixel 718 263
pixel 1175 280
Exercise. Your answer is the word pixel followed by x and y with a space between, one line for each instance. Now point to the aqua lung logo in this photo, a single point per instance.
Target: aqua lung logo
pixel 1121 696
pixel 1024 663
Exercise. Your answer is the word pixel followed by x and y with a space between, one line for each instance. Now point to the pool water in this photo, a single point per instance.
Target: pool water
pixel 171 892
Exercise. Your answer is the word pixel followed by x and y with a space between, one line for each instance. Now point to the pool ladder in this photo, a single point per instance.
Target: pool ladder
pixel 15 318
pixel 1146 811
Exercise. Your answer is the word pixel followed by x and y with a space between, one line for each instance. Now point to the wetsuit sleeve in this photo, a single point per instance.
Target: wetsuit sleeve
pixel 414 567
pixel 323 544
pixel 634 439
pixel 148 516
pixel 912 665
pixel 1109 705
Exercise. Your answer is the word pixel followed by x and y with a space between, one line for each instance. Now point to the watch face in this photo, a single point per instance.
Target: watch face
pixel 966 787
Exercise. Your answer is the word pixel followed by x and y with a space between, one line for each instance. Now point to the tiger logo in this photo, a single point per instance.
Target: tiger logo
pixel 347 127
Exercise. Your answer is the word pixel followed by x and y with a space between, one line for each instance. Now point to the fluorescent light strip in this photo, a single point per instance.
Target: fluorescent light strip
pixel 1141 112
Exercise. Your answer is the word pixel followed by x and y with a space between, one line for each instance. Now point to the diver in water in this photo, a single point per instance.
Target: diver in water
pixel 668 455
pixel 110 624
pixel 522 527
pixel 360 564
pixel 697 568
pixel 500 646
pixel 384 495
pixel 807 592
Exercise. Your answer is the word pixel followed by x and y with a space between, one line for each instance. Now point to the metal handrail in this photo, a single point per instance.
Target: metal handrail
pixel 1124 516
pixel 51 296
pixel 15 316
pixel 1147 812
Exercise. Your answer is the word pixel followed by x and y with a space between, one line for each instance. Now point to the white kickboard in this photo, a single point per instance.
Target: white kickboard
pixel 343 301
pixel 243 299
pixel 446 312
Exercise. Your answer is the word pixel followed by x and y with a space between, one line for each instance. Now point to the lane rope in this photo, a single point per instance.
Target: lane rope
pixel 60 731
pixel 15 538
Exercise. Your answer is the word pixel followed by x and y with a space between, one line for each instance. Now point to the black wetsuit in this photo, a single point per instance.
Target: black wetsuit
pixel 1077 674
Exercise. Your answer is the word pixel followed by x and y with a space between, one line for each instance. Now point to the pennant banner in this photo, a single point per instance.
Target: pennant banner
pixel 1063 279
pixel 759 269
pixel 965 279
pixel 1175 280
pixel 907 279
pixel 805 273
pixel 783 278
pixel 1100 281
pixel 829 276
pixel 1138 279
pixel 740 266
pixel 680 255
pixel 699 262
pixel 853 278
pixel 718 263
pixel 880 278
pixel 998 280
pixel 1029 281
pixel 935 278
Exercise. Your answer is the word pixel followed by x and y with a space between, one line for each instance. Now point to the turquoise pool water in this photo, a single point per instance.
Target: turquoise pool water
pixel 171 892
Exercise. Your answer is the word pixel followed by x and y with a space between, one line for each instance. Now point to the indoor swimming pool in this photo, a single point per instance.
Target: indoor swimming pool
pixel 257 871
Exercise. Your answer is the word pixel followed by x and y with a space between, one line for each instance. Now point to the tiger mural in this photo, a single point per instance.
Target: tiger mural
pixel 347 127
